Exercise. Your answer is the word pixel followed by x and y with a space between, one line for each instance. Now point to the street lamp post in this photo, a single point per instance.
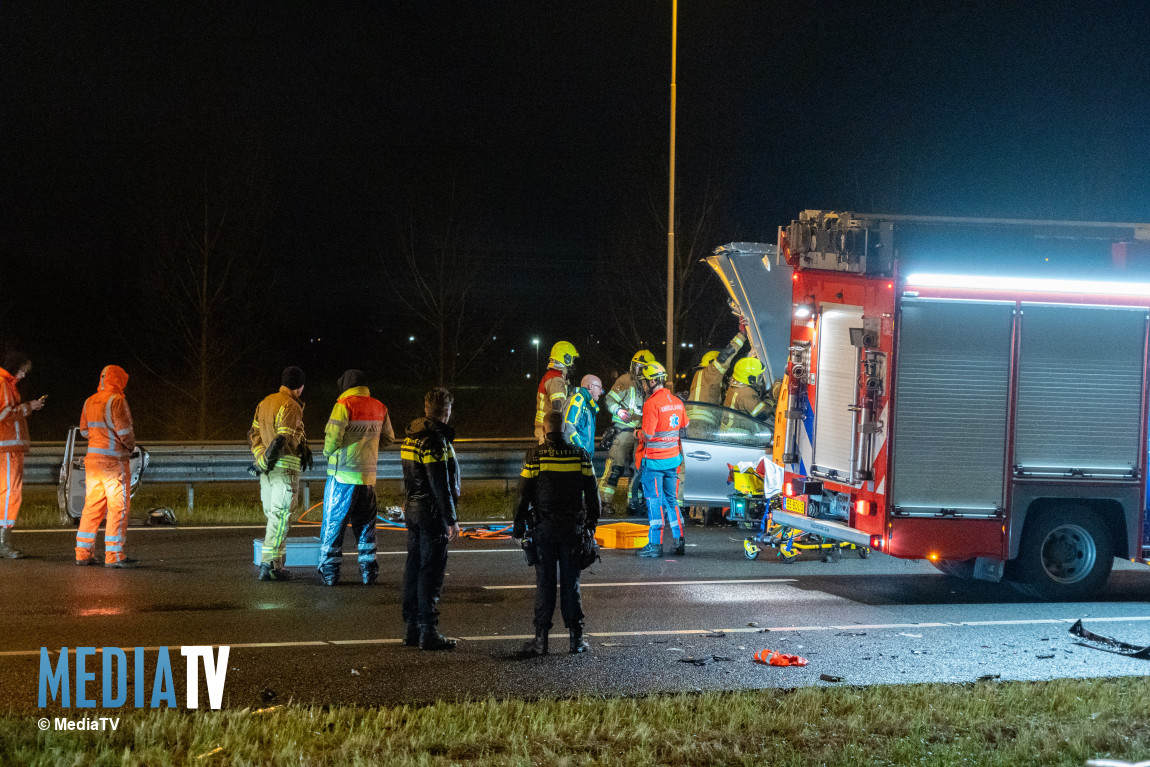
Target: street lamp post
pixel 670 362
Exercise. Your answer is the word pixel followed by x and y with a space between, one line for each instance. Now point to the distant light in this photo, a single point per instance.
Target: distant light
pixel 493 338
pixel 411 338
pixel 683 344
pixel 690 346
pixel 1029 284
pixel 512 351
pixel 535 341
pixel 528 375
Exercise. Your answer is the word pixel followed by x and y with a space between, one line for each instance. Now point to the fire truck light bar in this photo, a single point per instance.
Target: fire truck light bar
pixel 1027 284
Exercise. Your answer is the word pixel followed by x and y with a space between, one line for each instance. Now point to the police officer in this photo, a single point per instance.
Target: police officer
pixel 557 502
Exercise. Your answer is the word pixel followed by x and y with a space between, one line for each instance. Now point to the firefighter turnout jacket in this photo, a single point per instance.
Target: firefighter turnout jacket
pixel 663 417
pixel 551 395
pixel 746 399
pixel 430 472
pixel 13 416
pixel 358 426
pixel 106 421
pixel 625 397
pixel 557 495
pixel 278 415
pixel 707 384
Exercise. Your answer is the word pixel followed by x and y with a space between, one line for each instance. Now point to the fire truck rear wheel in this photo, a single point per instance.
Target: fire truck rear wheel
pixel 1065 555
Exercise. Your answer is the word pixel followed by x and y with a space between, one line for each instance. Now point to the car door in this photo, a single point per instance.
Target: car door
pixel 718 436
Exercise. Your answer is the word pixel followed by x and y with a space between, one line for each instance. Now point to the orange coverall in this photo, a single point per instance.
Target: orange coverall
pixel 107 423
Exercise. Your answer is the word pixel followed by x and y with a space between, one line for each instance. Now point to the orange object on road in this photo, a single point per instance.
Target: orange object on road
pixel 773 658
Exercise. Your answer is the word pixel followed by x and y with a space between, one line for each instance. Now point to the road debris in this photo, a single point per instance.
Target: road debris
pixel 706 660
pixel 851 634
pixel 830 678
pixel 1044 657
pixel 912 636
pixel 989 677
pixel 716 635
pixel 774 658
pixel 1119 647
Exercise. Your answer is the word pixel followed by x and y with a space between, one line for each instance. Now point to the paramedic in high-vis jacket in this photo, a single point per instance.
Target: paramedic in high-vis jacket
pixel 358 426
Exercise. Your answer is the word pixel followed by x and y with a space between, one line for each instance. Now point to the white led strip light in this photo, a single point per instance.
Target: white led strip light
pixel 1028 284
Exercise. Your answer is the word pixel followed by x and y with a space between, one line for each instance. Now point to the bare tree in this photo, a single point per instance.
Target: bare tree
pixel 632 278
pixel 435 276
pixel 204 288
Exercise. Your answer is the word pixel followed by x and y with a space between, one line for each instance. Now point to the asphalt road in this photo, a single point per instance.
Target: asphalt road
pixel 870 621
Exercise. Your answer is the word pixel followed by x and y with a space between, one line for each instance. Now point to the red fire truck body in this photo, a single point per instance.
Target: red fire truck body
pixel 995 425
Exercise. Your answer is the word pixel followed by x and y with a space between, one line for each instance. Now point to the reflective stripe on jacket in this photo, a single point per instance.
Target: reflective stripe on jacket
pixel 278 415
pixel 663 417
pixel 106 421
pixel 551 394
pixel 707 385
pixel 430 473
pixel 624 395
pixel 557 494
pixel 745 399
pixel 352 437
pixel 13 416
pixel 579 420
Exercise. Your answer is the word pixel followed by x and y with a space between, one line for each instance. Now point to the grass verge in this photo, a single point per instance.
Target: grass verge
pixel 1063 722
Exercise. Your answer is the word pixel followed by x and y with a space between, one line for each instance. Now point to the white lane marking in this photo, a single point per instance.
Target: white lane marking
pixel 654 632
pixel 587 585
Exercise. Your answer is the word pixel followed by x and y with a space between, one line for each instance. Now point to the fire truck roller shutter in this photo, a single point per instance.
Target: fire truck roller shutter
pixel 952 389
pixel 837 372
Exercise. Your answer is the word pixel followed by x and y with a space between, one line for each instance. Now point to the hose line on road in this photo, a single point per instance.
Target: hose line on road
pixel 481 533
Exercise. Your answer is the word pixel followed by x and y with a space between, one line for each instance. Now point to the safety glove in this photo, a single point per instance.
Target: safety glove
pixel 305 456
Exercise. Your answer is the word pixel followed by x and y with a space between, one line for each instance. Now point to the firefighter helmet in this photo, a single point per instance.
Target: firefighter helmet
pixel 641 358
pixel 708 358
pixel 653 372
pixel 747 370
pixel 563 353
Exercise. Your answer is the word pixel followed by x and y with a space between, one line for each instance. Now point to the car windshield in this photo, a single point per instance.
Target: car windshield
pixel 713 423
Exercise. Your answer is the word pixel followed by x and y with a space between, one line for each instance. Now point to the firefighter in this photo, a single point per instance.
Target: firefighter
pixel 743 393
pixel 431 476
pixel 557 503
pixel 553 388
pixel 579 417
pixel 707 384
pixel 14 443
pixel 106 422
pixel 280 448
pixel 359 425
pixel 658 457
pixel 625 404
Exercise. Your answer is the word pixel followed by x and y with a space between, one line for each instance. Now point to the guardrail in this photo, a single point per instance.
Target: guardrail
pixel 189 464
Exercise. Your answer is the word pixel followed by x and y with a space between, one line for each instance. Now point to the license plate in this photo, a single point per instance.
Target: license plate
pixel 796 505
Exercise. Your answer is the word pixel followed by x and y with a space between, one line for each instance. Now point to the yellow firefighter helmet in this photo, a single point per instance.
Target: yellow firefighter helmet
pixel 708 358
pixel 747 370
pixel 653 371
pixel 563 353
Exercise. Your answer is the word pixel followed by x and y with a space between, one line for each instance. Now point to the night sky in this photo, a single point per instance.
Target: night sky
pixel 550 122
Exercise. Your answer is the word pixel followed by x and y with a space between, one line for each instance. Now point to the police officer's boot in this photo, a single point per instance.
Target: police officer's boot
pixel 578 643
pixel 411 638
pixel 369 573
pixel 538 645
pixel 6 549
pixel 654 548
pixel 680 545
pixel 431 639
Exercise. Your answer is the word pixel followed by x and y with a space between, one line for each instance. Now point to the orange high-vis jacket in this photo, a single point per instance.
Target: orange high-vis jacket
pixel 13 416
pixel 663 416
pixel 106 421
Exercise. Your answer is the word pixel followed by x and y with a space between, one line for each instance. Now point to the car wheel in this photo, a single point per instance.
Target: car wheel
pixel 1065 555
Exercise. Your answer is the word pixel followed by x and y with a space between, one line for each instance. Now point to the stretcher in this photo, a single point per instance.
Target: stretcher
pixel 752 512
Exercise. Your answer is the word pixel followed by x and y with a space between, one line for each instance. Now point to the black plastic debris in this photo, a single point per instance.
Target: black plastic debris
pixel 989 677
pixel 706 660
pixel 716 635
pixel 830 678
pixel 1118 646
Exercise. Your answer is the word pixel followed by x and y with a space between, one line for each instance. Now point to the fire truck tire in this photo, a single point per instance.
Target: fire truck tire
pixel 1065 555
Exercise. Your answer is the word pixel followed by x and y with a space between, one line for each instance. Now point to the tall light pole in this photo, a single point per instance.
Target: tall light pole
pixel 535 343
pixel 670 356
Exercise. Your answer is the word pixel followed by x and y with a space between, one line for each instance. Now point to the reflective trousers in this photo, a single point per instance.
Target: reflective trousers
pixel 11 487
pixel 345 504
pixel 423 575
pixel 620 463
pixel 279 492
pixel 661 488
pixel 561 553
pixel 107 486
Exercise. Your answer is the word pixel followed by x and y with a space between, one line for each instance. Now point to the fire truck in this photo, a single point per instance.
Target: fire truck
pixel 969 391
